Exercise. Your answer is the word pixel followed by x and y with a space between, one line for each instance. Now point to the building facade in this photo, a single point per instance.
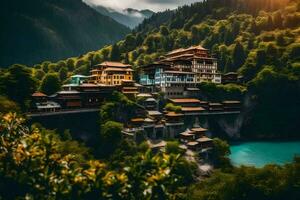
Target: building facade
pixel 111 73
pixel 180 70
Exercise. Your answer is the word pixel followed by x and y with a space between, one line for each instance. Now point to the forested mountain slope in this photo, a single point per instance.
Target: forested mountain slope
pixel 37 30
pixel 260 39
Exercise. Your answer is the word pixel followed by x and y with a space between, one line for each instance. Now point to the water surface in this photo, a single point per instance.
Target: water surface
pixel 259 154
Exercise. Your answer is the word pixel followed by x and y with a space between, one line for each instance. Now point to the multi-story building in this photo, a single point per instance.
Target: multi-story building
pixel 181 69
pixel 167 79
pixel 111 73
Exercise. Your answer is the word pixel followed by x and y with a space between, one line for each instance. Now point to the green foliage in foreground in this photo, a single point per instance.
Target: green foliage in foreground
pixel 247 183
pixel 7 105
pixel 220 154
pixel 37 164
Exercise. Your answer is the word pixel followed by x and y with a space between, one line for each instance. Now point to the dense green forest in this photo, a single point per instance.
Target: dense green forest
pixel 38 30
pixel 258 39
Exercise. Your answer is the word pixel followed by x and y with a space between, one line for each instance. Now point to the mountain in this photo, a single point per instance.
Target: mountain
pixel 129 17
pixel 38 30
pixel 258 39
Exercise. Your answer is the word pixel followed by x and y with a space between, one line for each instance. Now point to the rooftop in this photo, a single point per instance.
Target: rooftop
pixel 192 143
pixel 144 95
pixel 156 143
pixel 187 132
pixel 154 112
pixel 204 139
pixel 113 64
pixel 231 102
pixel 215 104
pixel 185 100
pixel 79 76
pixel 38 94
pixel 148 120
pixel 150 100
pixel 173 114
pixel 191 109
pixel 137 120
pixel 199 47
pixel 199 129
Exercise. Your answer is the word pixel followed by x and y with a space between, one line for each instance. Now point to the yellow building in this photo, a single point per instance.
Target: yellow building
pixel 111 73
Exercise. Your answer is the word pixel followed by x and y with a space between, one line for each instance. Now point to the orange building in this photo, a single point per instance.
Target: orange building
pixel 111 73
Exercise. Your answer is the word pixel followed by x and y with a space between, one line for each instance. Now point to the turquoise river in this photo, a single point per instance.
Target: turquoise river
pixel 259 154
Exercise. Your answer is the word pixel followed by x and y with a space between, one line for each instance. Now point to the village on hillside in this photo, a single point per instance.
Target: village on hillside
pixel 174 77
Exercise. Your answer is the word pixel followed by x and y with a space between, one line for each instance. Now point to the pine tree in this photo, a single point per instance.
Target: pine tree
pixel 238 56
pixel 229 65
pixel 50 84
pixel 63 73
pixel 277 20
pixel 115 53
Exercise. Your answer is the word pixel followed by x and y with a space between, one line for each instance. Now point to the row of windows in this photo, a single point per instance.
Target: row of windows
pixel 174 93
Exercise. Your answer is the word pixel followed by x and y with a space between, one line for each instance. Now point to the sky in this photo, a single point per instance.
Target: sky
pixel 155 5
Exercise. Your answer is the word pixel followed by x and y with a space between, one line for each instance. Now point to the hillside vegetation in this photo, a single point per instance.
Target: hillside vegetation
pixel 34 31
pixel 257 38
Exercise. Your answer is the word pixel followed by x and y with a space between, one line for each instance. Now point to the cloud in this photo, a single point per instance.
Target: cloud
pixel 155 5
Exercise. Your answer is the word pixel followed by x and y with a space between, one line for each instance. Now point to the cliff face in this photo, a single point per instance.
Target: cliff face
pixel 39 30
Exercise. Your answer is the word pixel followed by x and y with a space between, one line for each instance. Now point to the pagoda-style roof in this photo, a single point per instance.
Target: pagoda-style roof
pixel 192 144
pixel 181 50
pixel 38 94
pixel 154 113
pixel 192 109
pixel 156 143
pixel 137 120
pixel 186 100
pixel 187 133
pixel 204 139
pixel 148 120
pixel 113 64
pixel 215 104
pixel 231 102
pixel 200 129
pixel 173 114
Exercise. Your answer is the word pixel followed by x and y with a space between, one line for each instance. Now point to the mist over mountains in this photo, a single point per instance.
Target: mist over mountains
pixel 129 17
